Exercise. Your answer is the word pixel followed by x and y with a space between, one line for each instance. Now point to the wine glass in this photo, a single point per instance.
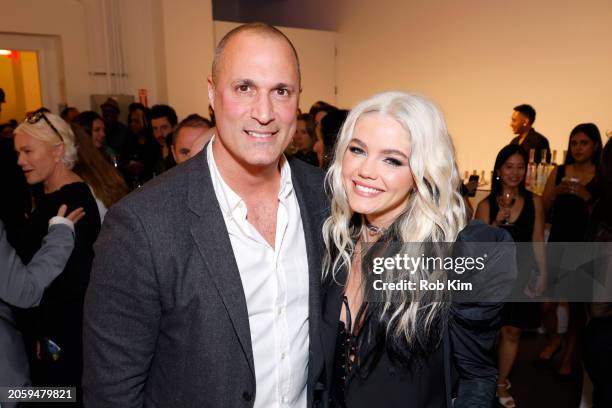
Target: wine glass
pixel 506 200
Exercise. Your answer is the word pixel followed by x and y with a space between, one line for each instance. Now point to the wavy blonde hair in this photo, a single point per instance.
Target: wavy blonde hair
pixel 434 211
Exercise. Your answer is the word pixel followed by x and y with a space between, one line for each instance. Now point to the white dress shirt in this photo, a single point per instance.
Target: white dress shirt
pixel 275 284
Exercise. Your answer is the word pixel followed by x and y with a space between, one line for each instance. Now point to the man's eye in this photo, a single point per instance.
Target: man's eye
pixel 282 92
pixel 243 88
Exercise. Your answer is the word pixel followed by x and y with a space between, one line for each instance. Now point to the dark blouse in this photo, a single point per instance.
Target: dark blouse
pixel 570 213
pixel 420 382
pixel 60 314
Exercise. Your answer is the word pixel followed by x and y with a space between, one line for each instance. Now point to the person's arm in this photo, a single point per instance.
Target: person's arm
pixel 122 314
pixel 482 211
pixel 475 320
pixel 23 285
pixel 549 194
pixel 538 244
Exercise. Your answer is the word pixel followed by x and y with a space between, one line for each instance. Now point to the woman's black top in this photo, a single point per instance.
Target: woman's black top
pixel 363 374
pixel 570 213
pixel 60 313
pixel 522 314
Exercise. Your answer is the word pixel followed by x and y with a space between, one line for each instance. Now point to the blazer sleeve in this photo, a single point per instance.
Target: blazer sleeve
pixel 121 315
pixel 474 322
pixel 23 285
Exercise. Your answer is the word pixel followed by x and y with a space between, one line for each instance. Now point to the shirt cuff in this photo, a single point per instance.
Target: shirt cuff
pixel 61 220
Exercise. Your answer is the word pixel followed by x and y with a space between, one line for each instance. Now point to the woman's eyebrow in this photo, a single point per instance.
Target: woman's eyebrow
pixel 395 151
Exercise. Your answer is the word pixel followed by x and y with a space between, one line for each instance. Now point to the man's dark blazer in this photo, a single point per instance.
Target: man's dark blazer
pixel 534 140
pixel 166 321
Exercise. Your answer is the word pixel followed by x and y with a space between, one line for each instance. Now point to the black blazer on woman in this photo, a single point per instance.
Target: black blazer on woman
pixel 468 360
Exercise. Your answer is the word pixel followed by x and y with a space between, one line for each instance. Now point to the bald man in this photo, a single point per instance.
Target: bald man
pixel 205 287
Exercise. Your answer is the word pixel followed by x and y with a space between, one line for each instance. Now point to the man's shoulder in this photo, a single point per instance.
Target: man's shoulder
pixel 307 174
pixel 164 194
pixel 538 136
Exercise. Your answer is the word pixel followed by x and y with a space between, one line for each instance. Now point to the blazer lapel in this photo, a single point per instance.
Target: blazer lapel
pixel 212 240
pixel 313 213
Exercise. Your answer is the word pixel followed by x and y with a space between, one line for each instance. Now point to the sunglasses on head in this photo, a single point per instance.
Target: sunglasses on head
pixel 36 116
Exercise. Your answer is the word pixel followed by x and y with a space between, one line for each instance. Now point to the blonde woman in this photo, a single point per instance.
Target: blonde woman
pixel 47 154
pixel 394 179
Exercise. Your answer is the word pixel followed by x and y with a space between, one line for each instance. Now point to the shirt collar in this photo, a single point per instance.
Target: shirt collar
pixel 229 201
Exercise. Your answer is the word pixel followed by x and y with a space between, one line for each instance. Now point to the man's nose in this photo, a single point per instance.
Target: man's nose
pixel 263 110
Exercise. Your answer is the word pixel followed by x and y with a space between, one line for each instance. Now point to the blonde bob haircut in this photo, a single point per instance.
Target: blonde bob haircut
pixel 434 210
pixel 42 131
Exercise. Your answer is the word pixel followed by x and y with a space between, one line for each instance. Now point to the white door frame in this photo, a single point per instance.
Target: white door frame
pixel 50 64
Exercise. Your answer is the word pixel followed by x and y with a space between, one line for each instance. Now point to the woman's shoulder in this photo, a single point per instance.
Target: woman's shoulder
pixel 479 231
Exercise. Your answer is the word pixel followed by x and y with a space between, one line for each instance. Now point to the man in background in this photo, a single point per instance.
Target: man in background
pixel 521 123
pixel 187 132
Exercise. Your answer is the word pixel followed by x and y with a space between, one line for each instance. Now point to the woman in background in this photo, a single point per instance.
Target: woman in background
pixel 47 154
pixel 524 220
pixel 23 286
pixel 393 179
pixel 106 183
pixel 569 193
pixel 93 125
pixel 304 139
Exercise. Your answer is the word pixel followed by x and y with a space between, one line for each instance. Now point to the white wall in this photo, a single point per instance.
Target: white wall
pixel 316 50
pixel 478 59
pixel 78 26
pixel 189 44
pixel 62 18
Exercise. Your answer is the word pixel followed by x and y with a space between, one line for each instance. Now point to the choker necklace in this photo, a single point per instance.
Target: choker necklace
pixel 374 230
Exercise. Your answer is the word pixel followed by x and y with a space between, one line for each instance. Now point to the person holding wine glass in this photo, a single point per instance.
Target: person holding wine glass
pixel 512 207
pixel 570 191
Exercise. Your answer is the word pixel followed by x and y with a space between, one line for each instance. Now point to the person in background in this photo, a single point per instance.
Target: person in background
pixel 144 151
pixel 524 219
pixel 318 110
pixel 304 139
pixel 47 155
pixel 187 132
pixel 117 134
pixel 23 286
pixel 103 179
pixel 93 125
pixel 163 123
pixel 597 353
pixel 521 123
pixel 569 193
pixel 69 113
pixel 330 127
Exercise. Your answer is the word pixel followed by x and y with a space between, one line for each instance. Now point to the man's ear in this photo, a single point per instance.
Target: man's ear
pixel 211 92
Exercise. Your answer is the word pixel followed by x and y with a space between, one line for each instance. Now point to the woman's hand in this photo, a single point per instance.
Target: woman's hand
pixel 579 190
pixel 74 215
pixel 503 215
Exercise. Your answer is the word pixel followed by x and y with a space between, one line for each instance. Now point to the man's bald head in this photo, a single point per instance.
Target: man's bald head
pixel 255 28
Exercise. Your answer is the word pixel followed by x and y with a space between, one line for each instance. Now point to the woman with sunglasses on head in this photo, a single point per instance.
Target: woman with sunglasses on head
pixel 512 207
pixel 570 191
pixel 394 180
pixel 47 153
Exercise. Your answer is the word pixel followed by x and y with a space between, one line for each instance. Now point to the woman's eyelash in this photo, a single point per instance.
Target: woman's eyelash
pixel 393 162
pixel 356 150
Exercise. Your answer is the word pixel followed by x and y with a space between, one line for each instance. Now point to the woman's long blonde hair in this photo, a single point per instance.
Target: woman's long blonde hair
pixel 434 211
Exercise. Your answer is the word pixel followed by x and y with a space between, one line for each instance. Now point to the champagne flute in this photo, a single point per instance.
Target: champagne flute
pixel 506 200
